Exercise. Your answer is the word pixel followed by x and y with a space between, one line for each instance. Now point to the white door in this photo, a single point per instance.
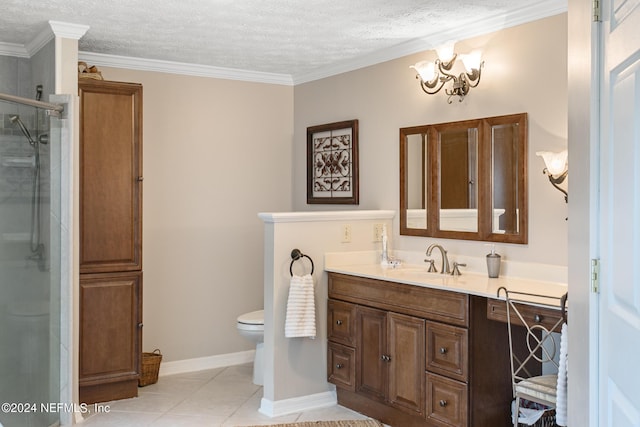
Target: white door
pixel 619 317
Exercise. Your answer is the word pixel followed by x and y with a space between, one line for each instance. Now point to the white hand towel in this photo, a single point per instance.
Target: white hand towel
pixel 301 311
pixel 561 391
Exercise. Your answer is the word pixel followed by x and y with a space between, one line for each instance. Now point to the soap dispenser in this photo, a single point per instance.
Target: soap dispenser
pixel 493 262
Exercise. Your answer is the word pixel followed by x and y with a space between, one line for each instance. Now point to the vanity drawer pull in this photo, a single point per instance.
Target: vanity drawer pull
pixel 338 322
pixel 537 318
pixel 386 358
pixel 339 365
pixel 442 403
pixel 443 350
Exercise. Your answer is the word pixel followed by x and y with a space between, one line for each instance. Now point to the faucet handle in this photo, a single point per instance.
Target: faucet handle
pixel 456 270
pixel 432 265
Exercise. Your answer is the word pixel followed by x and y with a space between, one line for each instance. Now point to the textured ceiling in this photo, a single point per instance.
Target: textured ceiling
pixel 289 37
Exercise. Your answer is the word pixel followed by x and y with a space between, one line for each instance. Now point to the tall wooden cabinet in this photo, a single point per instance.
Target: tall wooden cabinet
pixel 110 240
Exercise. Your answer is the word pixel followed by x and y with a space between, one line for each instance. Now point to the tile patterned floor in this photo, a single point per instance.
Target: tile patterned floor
pixel 224 397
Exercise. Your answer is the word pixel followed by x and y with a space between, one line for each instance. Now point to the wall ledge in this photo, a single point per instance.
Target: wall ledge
pixel 274 217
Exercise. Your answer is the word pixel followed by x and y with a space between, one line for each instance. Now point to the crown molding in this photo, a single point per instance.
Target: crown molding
pixel 13 49
pixel 532 12
pixel 68 30
pixel 171 67
pixel 54 29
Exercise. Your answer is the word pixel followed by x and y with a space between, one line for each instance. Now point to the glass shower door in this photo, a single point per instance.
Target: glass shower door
pixel 30 284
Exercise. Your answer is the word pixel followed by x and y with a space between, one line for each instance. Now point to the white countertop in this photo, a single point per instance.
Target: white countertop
pixel 468 283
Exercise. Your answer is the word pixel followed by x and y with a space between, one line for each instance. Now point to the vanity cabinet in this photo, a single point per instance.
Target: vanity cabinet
pixel 415 356
pixel 110 236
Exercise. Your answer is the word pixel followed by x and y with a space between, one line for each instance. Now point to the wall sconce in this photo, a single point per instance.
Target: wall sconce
pixel 556 168
pixel 434 75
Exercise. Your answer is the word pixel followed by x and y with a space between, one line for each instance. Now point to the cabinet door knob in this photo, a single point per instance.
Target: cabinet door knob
pixel 443 350
pixel 537 318
pixel 338 322
pixel 443 403
pixel 140 325
pixel 140 179
pixel 339 365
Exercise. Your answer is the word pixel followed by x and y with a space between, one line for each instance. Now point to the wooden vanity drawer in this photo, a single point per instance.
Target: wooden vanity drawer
pixel 447 401
pixel 341 366
pixel 447 350
pixel 428 303
pixel 547 317
pixel 341 322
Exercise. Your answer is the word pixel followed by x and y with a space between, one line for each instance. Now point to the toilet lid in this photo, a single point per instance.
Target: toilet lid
pixel 253 318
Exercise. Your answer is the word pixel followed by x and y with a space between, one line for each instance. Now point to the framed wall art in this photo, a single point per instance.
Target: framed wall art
pixel 332 163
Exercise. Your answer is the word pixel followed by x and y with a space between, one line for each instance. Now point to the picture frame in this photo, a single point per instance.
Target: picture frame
pixel 332 163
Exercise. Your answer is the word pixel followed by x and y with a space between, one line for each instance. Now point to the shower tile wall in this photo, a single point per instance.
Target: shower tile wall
pixel 15 77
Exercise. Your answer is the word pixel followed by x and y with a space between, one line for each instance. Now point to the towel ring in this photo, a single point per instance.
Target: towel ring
pixel 296 255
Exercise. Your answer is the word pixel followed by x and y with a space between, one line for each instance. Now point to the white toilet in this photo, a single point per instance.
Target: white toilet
pixel 251 326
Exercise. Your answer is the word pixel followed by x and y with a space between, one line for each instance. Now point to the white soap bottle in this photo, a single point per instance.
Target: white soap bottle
pixel 493 262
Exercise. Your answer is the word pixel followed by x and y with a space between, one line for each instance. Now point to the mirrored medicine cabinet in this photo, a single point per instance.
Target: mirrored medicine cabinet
pixel 465 180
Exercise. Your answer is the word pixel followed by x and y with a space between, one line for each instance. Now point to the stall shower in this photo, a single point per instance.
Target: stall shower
pixel 32 265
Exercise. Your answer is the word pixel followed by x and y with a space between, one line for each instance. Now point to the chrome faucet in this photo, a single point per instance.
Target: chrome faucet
pixel 445 261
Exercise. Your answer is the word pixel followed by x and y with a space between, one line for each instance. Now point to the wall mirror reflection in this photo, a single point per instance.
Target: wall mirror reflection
pixel 465 180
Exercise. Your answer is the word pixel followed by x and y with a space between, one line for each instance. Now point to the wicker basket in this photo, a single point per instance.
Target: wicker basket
pixel 150 368
pixel 87 72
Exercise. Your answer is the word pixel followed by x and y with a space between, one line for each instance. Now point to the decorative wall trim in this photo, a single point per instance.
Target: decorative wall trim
pixel 209 362
pixel 182 68
pixel 325 216
pixel 278 408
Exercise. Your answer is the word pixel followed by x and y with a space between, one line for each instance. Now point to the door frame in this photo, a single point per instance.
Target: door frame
pixel 583 140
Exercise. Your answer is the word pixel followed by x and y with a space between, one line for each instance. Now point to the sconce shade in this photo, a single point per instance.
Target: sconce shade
pixel 556 168
pixel 425 69
pixel 472 61
pixel 446 52
pixel 556 163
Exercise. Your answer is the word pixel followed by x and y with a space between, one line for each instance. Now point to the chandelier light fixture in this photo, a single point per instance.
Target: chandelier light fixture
pixel 434 76
pixel 556 168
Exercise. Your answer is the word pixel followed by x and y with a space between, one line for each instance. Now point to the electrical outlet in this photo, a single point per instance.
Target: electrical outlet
pixel 377 232
pixel 346 233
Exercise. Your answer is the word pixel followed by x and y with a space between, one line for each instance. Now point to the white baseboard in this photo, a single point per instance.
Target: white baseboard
pixel 203 363
pixel 277 408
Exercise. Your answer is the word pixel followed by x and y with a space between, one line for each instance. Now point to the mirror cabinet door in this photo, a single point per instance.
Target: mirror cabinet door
pixel 465 180
pixel 457 148
pixel 508 175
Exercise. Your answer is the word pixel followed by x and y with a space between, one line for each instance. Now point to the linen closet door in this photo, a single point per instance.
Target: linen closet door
pixel 110 240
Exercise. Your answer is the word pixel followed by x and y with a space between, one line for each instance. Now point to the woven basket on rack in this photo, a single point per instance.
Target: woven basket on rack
pixel 150 368
pixel 86 72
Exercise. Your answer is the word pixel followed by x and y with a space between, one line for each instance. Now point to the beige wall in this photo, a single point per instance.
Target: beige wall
pixel 525 71
pixel 216 152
